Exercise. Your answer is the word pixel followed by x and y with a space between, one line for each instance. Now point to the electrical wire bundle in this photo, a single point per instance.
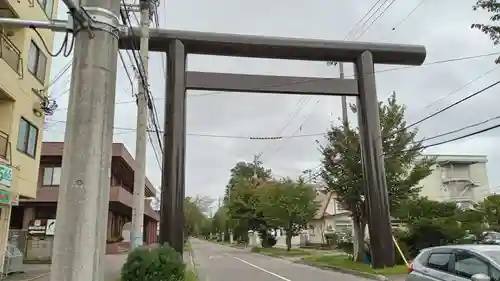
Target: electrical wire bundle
pixel 153 122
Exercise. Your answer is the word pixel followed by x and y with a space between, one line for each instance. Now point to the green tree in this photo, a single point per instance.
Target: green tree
pixel 410 211
pixel 288 205
pixel 194 214
pixel 241 198
pixel 490 207
pixel 219 222
pixel 492 30
pixel 342 169
pixel 431 223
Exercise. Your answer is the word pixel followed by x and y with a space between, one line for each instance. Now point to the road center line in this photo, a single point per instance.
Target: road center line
pixel 262 269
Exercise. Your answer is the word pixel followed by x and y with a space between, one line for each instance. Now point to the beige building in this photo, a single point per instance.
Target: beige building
pixel 24 77
pixel 459 178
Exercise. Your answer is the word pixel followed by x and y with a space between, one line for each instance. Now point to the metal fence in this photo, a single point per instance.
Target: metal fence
pixel 10 53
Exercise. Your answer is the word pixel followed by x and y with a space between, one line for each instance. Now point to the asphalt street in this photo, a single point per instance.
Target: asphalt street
pixel 216 262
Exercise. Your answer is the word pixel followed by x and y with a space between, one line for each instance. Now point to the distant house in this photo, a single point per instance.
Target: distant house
pixel 329 217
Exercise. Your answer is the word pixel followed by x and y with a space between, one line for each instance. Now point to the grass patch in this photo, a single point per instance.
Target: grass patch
pixel 344 262
pixel 190 275
pixel 280 252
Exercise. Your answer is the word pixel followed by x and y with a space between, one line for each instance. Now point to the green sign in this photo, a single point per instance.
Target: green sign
pixel 5 197
pixel 5 175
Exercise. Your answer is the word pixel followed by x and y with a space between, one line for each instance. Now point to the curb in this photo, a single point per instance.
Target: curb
pixel 345 271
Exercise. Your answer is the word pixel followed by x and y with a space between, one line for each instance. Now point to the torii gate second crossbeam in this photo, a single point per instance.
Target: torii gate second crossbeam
pixel 178 44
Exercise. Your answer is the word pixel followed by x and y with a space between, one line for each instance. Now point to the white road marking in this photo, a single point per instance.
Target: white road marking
pixel 262 269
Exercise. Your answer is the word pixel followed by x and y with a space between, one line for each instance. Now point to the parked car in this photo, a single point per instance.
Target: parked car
pixel 457 263
pixel 491 237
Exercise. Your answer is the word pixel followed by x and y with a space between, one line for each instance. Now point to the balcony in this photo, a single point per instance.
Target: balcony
pixel 123 196
pixel 4 146
pixel 10 53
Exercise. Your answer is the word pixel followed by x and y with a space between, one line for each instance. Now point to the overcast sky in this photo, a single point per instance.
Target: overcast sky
pixel 442 26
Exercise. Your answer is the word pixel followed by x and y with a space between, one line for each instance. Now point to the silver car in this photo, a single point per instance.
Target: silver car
pixel 457 263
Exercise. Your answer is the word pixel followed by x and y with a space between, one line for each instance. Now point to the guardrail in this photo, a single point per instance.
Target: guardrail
pixel 4 145
pixel 10 53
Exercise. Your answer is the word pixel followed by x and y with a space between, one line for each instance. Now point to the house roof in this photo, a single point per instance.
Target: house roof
pixel 323 200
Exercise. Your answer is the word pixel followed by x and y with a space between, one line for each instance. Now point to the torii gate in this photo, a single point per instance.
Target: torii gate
pixel 178 44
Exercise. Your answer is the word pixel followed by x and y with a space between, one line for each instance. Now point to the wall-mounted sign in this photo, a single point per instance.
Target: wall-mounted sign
pixel 5 175
pixel 51 227
pixel 37 227
pixel 5 197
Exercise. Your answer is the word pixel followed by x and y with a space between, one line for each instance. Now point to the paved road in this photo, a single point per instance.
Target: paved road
pixel 216 262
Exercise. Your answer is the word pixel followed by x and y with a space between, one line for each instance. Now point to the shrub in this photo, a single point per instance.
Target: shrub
pixel 158 264
pixel 331 238
pixel 267 240
pixel 347 247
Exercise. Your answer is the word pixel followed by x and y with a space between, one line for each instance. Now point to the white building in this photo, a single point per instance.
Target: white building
pixel 459 178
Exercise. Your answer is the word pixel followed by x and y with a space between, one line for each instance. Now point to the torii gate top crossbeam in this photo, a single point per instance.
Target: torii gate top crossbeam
pixel 252 46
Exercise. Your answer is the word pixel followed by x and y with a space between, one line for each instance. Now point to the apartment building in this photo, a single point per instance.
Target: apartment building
pixel 24 67
pixel 44 206
pixel 459 178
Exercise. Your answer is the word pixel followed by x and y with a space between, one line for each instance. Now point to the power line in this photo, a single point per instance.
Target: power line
pixel 456 138
pixel 378 17
pixel 409 14
pixel 450 106
pixel 460 88
pixel 463 128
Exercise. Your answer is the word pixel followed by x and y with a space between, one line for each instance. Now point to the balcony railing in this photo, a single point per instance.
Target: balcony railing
pixel 10 53
pixel 4 145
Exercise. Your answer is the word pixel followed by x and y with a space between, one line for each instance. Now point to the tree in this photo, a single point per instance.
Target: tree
pixel 242 173
pixel 194 214
pixel 410 211
pixel 404 166
pixel 241 198
pixel 288 205
pixel 431 223
pixel 219 221
pixel 493 30
pixel 490 207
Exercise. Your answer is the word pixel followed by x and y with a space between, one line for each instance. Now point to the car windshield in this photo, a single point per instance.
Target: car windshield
pixel 494 255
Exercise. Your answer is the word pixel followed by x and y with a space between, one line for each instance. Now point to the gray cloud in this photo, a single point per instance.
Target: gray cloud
pixel 443 28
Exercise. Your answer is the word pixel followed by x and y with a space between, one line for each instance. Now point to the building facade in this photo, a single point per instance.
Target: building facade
pixel 24 67
pixel 459 178
pixel 44 206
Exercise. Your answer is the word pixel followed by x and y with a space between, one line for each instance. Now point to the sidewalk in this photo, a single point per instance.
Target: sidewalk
pixel 41 272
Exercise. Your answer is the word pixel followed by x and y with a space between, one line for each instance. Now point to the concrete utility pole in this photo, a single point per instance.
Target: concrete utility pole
pixel 343 98
pixel 141 133
pixel 82 208
pixel 255 165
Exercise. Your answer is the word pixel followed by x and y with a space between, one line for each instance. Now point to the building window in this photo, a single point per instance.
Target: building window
pixel 47 7
pixel 27 138
pixel 51 176
pixel 37 62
